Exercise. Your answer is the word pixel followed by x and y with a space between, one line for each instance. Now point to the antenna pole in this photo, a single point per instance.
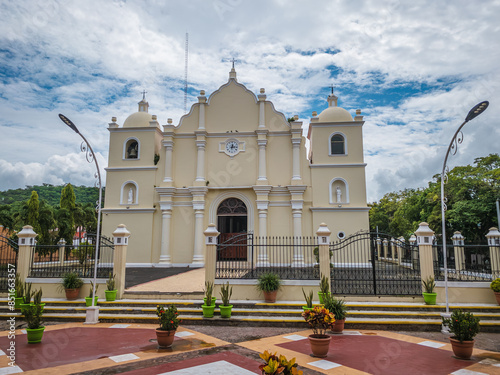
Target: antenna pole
pixel 186 73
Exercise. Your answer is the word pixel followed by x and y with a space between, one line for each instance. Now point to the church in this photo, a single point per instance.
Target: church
pixel 237 162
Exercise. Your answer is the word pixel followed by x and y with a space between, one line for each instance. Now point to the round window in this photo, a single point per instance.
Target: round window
pixel 341 235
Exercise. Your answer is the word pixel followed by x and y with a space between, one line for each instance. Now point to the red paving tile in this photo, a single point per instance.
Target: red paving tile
pixel 385 356
pixel 72 345
pixel 235 359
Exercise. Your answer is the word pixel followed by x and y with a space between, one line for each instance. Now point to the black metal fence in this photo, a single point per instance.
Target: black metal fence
pixel 464 263
pixel 244 256
pixel 374 264
pixel 8 260
pixel 56 260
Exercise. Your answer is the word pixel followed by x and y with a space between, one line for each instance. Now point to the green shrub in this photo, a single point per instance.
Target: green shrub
pixel 268 282
pixel 336 306
pixel 463 325
pixel 495 285
pixel 429 284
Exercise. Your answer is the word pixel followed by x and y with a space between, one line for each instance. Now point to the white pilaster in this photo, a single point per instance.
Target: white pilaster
pixel 202 99
pixel 262 143
pixel 296 159
pixel 169 146
pixel 200 166
pixel 165 258
pixel 262 108
pixel 199 214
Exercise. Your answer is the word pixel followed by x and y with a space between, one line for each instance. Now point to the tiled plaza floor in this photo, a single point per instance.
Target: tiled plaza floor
pixel 132 349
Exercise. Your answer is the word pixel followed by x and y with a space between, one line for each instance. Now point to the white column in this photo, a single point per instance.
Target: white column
pixel 298 253
pixel 262 256
pixel 199 213
pixel 165 258
pixel 169 146
pixel 262 159
pixel 200 166
pixel 202 99
pixel 262 108
pixel 296 158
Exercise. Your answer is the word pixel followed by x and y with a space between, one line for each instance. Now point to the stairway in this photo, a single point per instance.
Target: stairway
pixel 141 308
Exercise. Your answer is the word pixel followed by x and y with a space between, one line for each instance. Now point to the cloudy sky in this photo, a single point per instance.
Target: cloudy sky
pixel 413 68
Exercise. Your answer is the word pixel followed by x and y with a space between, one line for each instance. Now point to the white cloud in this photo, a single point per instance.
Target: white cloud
pixel 90 60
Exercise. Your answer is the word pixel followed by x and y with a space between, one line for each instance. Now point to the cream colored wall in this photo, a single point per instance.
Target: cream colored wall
pixel 146 137
pixel 184 161
pixel 145 181
pixel 279 160
pixel 232 108
pixel 51 288
pixel 224 171
pixel 182 239
pixel 321 144
pixel 280 221
pixel 341 220
pixel 355 178
pixel 275 121
pixel 460 292
pixel 189 122
pixel 140 225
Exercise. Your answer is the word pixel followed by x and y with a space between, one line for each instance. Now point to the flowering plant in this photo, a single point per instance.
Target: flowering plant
pixel 463 325
pixel 319 319
pixel 168 318
pixel 278 365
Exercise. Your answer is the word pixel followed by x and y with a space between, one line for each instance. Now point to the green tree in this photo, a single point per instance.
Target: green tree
pixel 6 217
pixel 66 214
pixel 47 224
pixel 33 212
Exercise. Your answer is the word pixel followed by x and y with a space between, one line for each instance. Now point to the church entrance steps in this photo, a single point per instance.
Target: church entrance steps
pixel 388 316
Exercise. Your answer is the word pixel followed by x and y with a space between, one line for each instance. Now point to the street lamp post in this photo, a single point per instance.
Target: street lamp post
pixel 90 156
pixel 455 141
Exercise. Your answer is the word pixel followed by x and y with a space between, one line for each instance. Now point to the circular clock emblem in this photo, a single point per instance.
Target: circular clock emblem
pixel 232 147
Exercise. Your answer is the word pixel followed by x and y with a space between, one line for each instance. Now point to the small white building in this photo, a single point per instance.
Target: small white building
pixel 235 161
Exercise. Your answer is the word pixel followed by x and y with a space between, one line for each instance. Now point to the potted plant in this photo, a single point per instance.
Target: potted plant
pixel 111 290
pixel 209 287
pixel 37 298
pixel 88 300
pixel 27 295
pixel 464 326
pixel 324 288
pixel 226 292
pixel 495 286
pixel 33 316
pixel 339 310
pixel 319 319
pixel 19 285
pixel 278 365
pixel 429 295
pixel 269 283
pixel 169 321
pixel 208 310
pixel 71 284
pixel 309 300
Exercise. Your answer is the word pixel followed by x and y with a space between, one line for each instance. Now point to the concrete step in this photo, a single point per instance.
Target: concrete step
pixel 361 315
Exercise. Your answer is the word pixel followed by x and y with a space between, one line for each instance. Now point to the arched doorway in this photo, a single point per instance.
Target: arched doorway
pixel 232 224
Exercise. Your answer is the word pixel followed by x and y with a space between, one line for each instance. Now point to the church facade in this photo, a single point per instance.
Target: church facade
pixel 237 162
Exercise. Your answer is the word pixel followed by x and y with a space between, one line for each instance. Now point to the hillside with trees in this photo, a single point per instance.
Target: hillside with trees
pixel 471 193
pixel 54 212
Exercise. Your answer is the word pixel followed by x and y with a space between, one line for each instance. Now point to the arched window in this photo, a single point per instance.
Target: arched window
pixel 339 191
pixel 131 149
pixel 337 144
pixel 130 193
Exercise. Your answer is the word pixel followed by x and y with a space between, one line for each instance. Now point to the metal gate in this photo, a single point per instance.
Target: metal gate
pixel 235 256
pixel 374 264
pixel 8 260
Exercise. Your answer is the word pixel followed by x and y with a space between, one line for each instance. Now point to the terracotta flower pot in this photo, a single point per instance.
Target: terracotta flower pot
pixel 270 297
pixel 165 338
pixel 72 294
pixel 338 326
pixel 462 349
pixel 320 344
pixel 497 296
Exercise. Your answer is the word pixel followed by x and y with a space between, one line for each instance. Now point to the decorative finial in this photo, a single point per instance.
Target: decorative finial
pixel 144 92
pixel 233 60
